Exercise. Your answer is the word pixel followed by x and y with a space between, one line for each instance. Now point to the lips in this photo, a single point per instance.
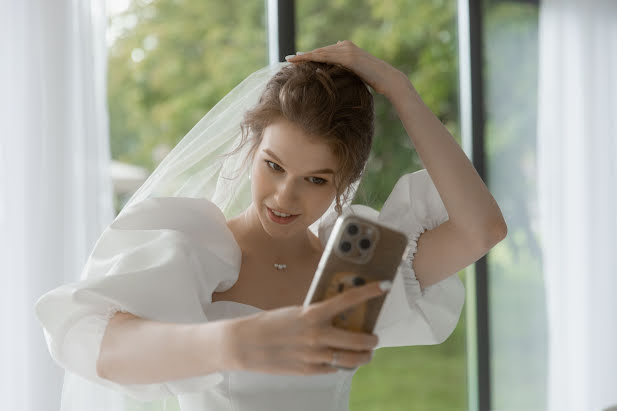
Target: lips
pixel 280 220
pixel 283 212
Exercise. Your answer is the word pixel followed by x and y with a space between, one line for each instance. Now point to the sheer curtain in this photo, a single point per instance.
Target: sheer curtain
pixel 577 171
pixel 55 188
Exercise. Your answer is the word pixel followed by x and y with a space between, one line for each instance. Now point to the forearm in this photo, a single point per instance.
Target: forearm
pixel 140 351
pixel 468 201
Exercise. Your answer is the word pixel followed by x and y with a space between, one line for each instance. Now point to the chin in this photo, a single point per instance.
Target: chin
pixel 280 231
pixel 280 234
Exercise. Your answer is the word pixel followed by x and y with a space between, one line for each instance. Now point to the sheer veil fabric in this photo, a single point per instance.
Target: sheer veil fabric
pixel 194 168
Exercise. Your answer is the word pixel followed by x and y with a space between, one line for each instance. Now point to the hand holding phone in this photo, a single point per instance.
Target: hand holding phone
pixel 359 251
pixel 297 340
pixel 339 312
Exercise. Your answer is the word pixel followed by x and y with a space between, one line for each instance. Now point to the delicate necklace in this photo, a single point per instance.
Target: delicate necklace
pixel 279 267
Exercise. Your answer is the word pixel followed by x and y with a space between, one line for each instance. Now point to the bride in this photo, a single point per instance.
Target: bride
pixel 195 290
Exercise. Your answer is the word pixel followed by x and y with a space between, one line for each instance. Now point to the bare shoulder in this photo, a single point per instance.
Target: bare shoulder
pixel 236 229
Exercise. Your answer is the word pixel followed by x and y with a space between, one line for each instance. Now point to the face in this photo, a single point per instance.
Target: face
pixel 291 173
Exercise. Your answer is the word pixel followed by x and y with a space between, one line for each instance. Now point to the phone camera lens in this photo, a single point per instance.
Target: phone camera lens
pixel 358 281
pixel 352 229
pixel 345 246
pixel 365 243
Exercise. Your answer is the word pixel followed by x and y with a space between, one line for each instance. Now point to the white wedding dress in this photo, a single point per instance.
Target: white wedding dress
pixel 163 259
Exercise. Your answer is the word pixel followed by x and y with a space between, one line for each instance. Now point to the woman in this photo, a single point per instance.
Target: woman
pixel 183 297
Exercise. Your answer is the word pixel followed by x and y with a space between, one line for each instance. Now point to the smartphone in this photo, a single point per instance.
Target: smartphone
pixel 359 251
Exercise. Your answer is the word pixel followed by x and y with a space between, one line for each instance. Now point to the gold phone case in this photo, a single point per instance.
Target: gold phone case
pixel 359 251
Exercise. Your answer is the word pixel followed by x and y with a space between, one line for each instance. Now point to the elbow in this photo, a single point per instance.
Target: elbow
pixel 501 230
pixel 496 232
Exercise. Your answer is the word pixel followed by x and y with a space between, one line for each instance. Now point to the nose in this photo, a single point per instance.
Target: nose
pixel 286 195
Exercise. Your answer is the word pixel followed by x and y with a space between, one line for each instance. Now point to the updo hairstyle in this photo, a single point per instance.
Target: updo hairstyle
pixel 329 103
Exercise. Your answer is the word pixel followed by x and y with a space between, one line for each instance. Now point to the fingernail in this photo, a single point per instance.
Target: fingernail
pixel 299 52
pixel 385 285
pixel 290 56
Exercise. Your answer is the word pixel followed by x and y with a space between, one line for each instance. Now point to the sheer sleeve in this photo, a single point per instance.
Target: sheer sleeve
pixel 149 262
pixel 412 315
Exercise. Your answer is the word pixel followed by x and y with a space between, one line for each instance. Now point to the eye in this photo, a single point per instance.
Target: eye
pixel 320 182
pixel 278 168
pixel 272 165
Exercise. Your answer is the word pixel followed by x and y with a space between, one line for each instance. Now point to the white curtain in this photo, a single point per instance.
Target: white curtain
pixel 577 172
pixel 55 189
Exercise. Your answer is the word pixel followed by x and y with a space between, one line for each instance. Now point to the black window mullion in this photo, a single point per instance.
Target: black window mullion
pixel 281 28
pixel 481 277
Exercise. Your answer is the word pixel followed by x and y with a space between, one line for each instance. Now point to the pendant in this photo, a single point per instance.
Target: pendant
pixel 280 266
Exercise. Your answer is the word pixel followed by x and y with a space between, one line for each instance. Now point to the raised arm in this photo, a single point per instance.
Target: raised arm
pixel 470 205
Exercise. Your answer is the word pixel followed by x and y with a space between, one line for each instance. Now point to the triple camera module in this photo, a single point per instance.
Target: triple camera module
pixel 357 241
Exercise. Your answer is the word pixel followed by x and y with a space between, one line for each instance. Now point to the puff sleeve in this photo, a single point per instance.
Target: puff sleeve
pixel 149 262
pixel 411 315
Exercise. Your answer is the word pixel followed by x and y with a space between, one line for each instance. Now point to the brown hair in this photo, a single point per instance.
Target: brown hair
pixel 327 101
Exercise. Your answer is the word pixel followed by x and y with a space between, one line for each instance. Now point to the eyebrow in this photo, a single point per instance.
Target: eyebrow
pixel 321 171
